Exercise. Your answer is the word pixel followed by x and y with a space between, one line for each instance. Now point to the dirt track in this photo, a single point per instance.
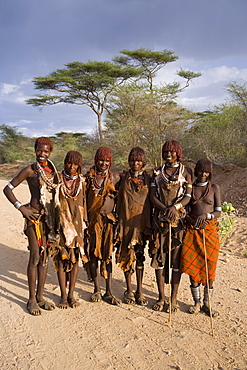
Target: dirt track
pixel 100 336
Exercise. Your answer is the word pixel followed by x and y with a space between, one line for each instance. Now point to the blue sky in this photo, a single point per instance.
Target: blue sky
pixel 37 37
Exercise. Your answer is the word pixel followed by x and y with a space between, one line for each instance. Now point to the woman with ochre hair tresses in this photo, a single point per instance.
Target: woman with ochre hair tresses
pixel 41 219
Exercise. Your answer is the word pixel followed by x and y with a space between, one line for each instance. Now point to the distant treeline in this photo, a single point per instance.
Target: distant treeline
pixel 136 119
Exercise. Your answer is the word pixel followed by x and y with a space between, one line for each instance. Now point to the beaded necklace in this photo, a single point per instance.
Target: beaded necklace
pixel 68 177
pixel 49 181
pixel 170 179
pixel 98 188
pixel 44 165
pixel 75 183
pixel 137 180
pixel 195 199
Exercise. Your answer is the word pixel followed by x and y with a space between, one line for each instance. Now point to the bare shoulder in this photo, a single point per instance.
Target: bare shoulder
pixel 216 187
pixel 24 174
pixel 217 195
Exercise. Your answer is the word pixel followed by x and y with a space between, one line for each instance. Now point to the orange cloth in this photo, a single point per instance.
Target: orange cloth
pixel 193 257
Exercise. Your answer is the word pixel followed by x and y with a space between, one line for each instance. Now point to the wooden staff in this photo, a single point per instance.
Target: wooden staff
pixel 169 273
pixel 206 267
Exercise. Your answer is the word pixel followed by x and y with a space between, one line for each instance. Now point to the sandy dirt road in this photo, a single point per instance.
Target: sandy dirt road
pixel 101 336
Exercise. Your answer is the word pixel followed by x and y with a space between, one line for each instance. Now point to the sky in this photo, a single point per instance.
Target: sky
pixel 38 37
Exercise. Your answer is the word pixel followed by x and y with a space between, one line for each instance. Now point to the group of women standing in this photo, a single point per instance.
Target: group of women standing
pixel 71 216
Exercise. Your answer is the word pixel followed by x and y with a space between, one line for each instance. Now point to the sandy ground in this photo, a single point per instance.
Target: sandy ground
pixel 101 336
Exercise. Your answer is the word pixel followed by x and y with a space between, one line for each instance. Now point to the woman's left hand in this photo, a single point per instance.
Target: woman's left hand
pixel 201 221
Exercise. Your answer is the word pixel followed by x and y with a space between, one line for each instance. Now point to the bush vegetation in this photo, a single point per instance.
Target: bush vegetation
pixel 137 117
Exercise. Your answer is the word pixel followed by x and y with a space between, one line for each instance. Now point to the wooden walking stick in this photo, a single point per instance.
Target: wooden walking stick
pixel 169 273
pixel 206 267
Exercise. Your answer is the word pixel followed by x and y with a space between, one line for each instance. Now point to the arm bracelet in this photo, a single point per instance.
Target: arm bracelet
pixel 217 209
pixel 17 204
pixel 10 186
pixel 178 206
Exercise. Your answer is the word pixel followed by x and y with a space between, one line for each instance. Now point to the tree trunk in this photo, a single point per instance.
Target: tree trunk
pixel 100 131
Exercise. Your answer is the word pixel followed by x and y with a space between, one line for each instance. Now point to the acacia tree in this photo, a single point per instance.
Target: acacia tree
pixel 84 84
pixel 151 62
pixel 144 113
pixel 138 118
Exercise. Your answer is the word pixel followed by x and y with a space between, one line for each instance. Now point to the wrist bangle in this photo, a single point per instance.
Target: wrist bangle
pixel 178 206
pixel 210 216
pixel 17 204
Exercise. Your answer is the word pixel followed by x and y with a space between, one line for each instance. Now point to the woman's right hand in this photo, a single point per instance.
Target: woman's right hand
pixel 29 213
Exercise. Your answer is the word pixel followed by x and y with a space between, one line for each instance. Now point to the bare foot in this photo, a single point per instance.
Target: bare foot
pixel 96 297
pixel 63 305
pixel 158 306
pixel 73 303
pixel 33 308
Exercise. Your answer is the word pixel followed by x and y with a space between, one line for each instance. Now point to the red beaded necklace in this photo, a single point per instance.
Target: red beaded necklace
pixel 44 165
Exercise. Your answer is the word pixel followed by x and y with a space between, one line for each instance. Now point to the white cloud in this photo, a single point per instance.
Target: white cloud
pixel 24 122
pixel 209 75
pixel 27 81
pixel 20 124
pixel 219 74
pixel 14 93
pixel 205 91
pixel 7 89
